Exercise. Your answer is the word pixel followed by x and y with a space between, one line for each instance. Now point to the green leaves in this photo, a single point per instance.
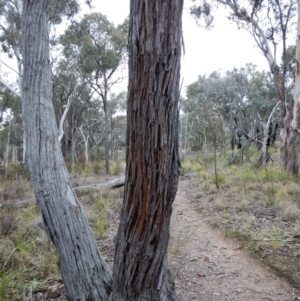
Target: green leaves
pixel 96 43
pixel 203 13
pixel 231 101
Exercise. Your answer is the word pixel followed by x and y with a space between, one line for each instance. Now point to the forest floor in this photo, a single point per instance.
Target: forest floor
pixel 206 265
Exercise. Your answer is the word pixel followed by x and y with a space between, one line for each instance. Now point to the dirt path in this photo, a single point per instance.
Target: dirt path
pixel 208 267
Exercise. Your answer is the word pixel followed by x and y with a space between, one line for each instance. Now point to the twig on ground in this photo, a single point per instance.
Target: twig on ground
pixel 250 289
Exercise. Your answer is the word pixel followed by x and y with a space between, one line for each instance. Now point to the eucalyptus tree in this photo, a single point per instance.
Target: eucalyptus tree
pixel 10 26
pixel 116 106
pixel 10 35
pixel 100 49
pixel 244 98
pixel 152 159
pixel 10 109
pixel 119 134
pixel 84 271
pixel 71 98
pixel 207 96
pixel 295 119
pixel 141 269
pixel 269 22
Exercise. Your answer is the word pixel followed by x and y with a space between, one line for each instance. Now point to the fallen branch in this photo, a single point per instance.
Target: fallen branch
pixel 119 182
pixel 110 184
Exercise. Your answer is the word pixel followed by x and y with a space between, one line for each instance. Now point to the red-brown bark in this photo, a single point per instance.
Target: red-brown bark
pixel 141 267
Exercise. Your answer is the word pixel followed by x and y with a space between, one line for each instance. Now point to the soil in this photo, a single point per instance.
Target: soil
pixel 205 265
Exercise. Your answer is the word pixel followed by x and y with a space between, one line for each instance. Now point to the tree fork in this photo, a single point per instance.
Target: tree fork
pixel 141 269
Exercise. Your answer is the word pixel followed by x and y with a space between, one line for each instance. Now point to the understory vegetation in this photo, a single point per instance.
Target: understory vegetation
pixel 257 206
pixel 28 260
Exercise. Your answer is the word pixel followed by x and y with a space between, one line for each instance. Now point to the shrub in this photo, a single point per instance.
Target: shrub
pixel 220 178
pixel 290 211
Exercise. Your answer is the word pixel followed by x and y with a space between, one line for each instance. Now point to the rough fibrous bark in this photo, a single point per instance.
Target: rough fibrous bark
pixel 141 267
pixel 85 274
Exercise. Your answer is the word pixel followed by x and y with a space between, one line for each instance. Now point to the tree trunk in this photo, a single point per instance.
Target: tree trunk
pixel 107 167
pixel 85 274
pixel 6 153
pixel 266 136
pixel 215 164
pixel 264 147
pixel 294 135
pixel 141 269
pixel 106 121
pixel 86 144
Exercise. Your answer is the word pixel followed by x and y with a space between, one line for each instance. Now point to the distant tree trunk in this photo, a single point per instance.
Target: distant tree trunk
pixel 294 137
pixel 86 143
pixel 85 274
pixel 232 133
pixel 106 121
pixel 141 269
pixel 215 164
pixel 112 140
pixel 186 134
pixel 264 147
pixel 6 153
pixel 266 128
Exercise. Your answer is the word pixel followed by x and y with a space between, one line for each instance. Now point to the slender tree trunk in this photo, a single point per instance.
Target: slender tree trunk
pixel 20 78
pixel 14 155
pixel 6 153
pixel 85 274
pixel 294 137
pixel 215 165
pixel 186 133
pixel 107 167
pixel 111 148
pixel 141 269
pixel 266 132
pixel 106 120
pixel 72 145
pixel 264 147
pixel 86 144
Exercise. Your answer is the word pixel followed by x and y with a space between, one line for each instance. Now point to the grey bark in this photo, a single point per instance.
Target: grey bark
pixel 86 143
pixel 64 115
pixel 110 184
pixel 265 132
pixel 294 137
pixel 119 182
pixel 141 269
pixel 85 274
pixel 107 167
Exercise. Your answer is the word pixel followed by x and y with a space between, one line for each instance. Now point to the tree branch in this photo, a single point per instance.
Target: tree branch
pixel 62 120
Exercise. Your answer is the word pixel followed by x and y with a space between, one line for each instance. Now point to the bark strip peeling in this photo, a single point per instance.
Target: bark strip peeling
pixel 85 274
pixel 141 269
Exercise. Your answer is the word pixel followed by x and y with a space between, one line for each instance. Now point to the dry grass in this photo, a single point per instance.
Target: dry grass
pixel 27 258
pixel 290 211
pixel 259 206
pixel 219 204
